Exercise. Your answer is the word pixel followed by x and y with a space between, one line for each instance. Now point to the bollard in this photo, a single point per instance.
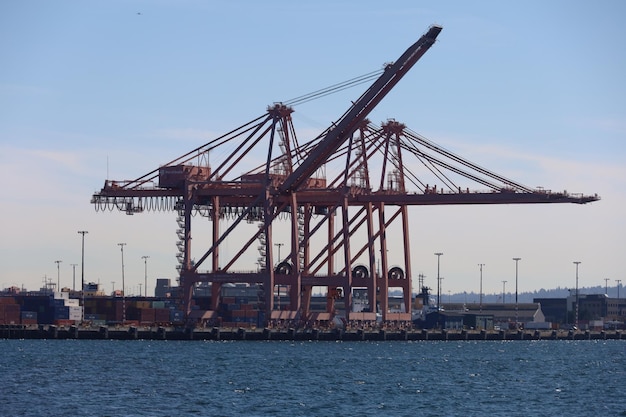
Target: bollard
pixel 104 332
pixel 53 331
pixel 161 333
pixel 132 331
pixel 241 333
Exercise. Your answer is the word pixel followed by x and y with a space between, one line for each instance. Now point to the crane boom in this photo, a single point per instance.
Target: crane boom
pixel 359 110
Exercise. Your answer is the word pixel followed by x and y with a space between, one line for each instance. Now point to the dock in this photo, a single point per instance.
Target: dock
pixel 291 334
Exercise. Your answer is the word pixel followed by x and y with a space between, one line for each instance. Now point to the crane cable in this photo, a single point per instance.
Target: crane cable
pixel 334 88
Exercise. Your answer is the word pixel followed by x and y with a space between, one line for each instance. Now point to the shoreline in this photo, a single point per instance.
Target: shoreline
pixel 266 334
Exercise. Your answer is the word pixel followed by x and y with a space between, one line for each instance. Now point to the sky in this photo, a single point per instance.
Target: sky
pixel 532 90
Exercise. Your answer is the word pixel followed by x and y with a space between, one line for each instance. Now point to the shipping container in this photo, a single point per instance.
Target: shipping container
pixel 161 315
pixel 7 300
pixel 146 315
pixel 176 316
pixel 61 313
pixel 29 315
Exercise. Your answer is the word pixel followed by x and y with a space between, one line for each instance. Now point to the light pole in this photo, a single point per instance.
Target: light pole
pixel 619 310
pixel 82 272
pixel 516 305
pixel 279 245
pixel 58 275
pixel 145 263
pixel 480 296
pixel 121 245
pixel 438 254
pixel 503 291
pixel 577 299
pixel 74 276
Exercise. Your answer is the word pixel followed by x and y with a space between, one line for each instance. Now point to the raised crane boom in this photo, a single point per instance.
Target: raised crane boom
pixel 337 135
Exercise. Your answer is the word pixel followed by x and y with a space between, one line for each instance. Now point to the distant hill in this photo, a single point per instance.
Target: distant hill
pixel 523 297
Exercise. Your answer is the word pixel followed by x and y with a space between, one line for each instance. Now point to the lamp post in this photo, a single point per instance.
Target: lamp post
pixel 503 291
pixel 619 309
pixel 58 275
pixel 279 245
pixel 577 299
pixel 516 305
pixel 438 254
pixel 480 296
pixel 82 272
pixel 74 276
pixel 145 263
pixel 121 245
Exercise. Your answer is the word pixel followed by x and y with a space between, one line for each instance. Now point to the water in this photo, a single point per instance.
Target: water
pixel 165 378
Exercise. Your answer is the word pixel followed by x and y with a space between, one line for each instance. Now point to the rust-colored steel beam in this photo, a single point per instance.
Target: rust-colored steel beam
pixel 337 229
pixel 359 111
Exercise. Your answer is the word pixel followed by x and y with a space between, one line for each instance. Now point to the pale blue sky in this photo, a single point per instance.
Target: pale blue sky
pixel 532 90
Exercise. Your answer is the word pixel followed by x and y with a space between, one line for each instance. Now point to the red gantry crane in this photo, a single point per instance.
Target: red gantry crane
pixel 339 194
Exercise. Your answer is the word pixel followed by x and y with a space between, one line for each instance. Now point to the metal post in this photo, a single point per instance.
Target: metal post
pixel 82 273
pixel 516 304
pixel 58 275
pixel 503 291
pixel 74 276
pixel 438 254
pixel 278 245
pixel 121 245
pixel 577 298
pixel 145 263
pixel 619 281
pixel 481 287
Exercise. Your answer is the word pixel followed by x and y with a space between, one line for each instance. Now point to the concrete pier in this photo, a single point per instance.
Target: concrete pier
pixel 292 334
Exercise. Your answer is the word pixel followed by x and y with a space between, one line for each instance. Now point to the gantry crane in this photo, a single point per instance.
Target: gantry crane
pixel 339 193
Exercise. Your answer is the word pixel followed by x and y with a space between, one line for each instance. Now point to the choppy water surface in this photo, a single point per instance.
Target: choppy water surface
pixel 165 378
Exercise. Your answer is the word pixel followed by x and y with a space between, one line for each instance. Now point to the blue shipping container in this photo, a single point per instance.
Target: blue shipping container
pixel 62 313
